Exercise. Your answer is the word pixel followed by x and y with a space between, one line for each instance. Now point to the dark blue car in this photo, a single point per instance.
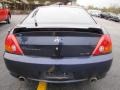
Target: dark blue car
pixel 58 44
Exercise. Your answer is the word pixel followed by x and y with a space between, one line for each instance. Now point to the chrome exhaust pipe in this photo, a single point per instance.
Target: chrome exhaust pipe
pixel 22 78
pixel 93 79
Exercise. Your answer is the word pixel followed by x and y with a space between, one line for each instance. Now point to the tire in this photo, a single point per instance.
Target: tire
pixel 8 20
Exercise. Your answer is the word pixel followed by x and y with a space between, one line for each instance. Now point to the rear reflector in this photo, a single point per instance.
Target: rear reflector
pixel 104 46
pixel 11 45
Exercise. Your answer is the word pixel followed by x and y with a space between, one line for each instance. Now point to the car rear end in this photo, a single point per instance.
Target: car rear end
pixel 58 53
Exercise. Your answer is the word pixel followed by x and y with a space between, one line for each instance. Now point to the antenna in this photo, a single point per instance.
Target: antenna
pixel 36 24
pixel 34 16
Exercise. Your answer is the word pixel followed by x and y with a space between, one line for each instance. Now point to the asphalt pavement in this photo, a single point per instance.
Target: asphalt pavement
pixel 110 82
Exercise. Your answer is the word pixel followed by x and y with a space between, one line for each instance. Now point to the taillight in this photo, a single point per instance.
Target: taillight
pixel 11 45
pixel 104 46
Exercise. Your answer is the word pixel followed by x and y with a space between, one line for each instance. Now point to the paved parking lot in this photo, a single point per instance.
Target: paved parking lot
pixel 111 82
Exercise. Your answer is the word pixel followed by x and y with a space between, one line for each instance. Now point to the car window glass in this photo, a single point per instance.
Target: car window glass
pixel 6 6
pixel 62 15
pixel 1 6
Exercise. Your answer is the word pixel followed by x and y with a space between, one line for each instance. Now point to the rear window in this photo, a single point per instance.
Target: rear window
pixel 62 15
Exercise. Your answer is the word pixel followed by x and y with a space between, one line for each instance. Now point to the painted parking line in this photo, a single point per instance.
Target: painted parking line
pixel 42 86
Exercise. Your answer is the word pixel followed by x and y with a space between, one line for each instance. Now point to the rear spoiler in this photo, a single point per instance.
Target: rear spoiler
pixel 90 30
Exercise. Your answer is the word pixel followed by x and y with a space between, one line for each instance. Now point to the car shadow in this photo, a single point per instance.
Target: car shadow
pixel 2 24
pixel 28 85
pixel 31 85
pixel 72 86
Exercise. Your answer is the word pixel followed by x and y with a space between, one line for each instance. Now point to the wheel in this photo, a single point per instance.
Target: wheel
pixel 8 20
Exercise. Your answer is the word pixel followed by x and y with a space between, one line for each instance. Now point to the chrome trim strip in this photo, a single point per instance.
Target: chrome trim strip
pixel 68 81
pixel 63 61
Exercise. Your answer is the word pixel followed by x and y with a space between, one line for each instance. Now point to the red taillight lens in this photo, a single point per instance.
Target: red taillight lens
pixel 104 46
pixel 12 46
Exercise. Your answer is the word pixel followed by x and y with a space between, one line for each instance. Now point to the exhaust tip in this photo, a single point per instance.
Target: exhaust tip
pixel 21 78
pixel 93 79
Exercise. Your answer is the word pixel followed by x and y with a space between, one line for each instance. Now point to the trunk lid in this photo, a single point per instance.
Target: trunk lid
pixel 58 42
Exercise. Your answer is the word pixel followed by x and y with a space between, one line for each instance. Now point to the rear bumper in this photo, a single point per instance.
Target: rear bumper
pixel 80 71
